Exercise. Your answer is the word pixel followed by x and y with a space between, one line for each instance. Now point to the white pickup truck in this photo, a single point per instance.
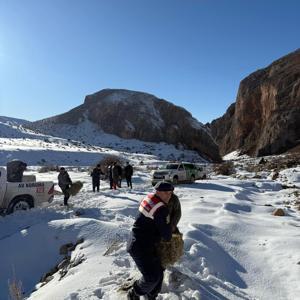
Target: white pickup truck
pixel 23 195
pixel 178 172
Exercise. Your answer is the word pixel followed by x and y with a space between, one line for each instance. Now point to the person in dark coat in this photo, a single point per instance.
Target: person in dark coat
pixel 120 172
pixel 64 182
pixel 151 225
pixel 128 171
pixel 115 175
pixel 96 173
pixel 15 170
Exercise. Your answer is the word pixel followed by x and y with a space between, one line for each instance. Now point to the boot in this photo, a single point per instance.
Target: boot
pixel 132 295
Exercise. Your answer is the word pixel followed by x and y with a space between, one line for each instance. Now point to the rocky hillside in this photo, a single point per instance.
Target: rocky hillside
pixel 137 115
pixel 265 119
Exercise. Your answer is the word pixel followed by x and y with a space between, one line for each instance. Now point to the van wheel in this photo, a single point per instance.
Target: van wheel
pixel 19 203
pixel 192 178
pixel 175 180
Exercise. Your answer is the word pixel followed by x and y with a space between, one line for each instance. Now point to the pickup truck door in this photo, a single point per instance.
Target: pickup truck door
pixel 181 173
pixel 2 184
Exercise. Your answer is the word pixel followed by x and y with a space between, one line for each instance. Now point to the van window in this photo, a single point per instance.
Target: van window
pixel 172 166
pixel 189 166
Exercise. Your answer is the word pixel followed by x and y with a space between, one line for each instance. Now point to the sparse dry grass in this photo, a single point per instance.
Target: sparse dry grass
pixel 15 290
pixel 275 163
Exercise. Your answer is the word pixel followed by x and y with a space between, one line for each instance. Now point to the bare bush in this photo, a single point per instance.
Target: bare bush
pixel 225 168
pixel 15 290
pixel 275 163
pixel 108 160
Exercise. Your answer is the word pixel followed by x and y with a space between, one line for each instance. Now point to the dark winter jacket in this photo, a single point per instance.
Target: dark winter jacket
pixel 128 170
pixel 96 173
pixel 116 172
pixel 174 211
pixel 15 170
pixel 110 172
pixel 151 225
pixel 64 180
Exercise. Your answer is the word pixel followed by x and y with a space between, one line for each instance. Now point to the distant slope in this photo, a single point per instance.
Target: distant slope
pixel 133 115
pixel 13 121
pixel 17 142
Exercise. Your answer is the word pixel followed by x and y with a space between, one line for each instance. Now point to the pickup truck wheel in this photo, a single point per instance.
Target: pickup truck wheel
pixel 19 203
pixel 175 180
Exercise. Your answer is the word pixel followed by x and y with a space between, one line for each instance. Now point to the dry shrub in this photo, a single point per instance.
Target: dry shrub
pixel 225 168
pixel 108 160
pixel 275 163
pixel 15 290
pixel 170 252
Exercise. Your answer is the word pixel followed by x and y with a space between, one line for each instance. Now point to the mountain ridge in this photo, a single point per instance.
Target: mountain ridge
pixel 265 119
pixel 137 115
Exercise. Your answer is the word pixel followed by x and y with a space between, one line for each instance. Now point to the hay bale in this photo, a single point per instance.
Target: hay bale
pixel 171 251
pixel 75 188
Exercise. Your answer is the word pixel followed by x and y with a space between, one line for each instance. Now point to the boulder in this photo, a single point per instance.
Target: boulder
pixel 278 212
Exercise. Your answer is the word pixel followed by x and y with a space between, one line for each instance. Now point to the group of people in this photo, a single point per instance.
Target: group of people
pixel 116 172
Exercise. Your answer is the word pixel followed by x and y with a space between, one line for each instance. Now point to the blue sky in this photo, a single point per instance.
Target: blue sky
pixel 192 53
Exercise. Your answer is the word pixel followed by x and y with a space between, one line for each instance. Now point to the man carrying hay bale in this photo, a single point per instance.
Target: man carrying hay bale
pixel 64 182
pixel 151 226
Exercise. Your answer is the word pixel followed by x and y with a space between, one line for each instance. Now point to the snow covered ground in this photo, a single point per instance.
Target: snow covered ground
pixel 78 145
pixel 234 247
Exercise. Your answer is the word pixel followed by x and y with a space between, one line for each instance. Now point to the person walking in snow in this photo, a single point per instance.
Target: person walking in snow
pixel 64 182
pixel 96 173
pixel 150 227
pixel 120 172
pixel 128 170
pixel 116 175
pixel 110 177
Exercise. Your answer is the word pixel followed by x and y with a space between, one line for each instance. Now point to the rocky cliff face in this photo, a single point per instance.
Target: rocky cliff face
pixel 266 116
pixel 137 115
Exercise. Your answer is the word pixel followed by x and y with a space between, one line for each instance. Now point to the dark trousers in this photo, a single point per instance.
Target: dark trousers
pixel 153 274
pixel 129 183
pixel 111 183
pixel 66 196
pixel 96 184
